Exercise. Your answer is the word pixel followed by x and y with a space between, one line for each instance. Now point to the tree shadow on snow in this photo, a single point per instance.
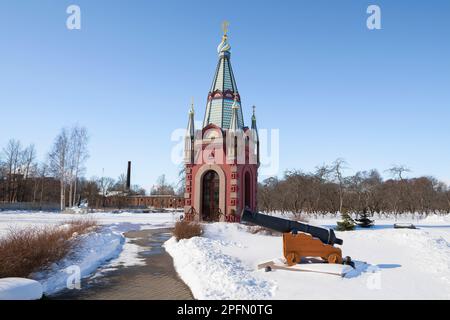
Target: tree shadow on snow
pixel 389 266
pixel 363 267
pixel 445 226
pixel 358 228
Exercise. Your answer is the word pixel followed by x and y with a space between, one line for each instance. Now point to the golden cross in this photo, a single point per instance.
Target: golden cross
pixel 225 26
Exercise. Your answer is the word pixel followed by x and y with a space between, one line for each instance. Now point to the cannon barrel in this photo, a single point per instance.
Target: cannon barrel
pixel 327 236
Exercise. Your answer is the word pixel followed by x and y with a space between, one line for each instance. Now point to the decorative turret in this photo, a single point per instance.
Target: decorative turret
pixel 234 133
pixel 189 137
pixel 234 124
pixel 254 128
pixel 255 134
pixel 223 90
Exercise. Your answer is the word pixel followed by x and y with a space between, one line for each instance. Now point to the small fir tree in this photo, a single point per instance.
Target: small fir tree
pixel 346 224
pixel 364 220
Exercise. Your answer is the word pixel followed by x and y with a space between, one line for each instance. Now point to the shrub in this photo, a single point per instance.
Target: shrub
pixel 347 223
pixel 24 251
pixel 80 226
pixel 186 230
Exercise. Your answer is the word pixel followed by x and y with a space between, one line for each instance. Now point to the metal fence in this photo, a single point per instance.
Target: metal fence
pixel 29 206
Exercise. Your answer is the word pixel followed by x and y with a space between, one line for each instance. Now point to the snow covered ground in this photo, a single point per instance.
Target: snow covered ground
pixel 20 289
pixel 98 251
pixel 401 264
pixel 139 220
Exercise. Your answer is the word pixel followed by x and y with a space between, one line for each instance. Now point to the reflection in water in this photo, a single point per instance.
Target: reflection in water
pixel 157 279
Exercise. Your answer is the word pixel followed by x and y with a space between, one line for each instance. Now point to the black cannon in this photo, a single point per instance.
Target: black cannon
pixel 300 240
pixel 327 236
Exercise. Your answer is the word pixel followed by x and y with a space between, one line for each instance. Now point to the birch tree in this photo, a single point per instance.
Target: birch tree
pixel 28 158
pixel 79 144
pixel 12 154
pixel 58 162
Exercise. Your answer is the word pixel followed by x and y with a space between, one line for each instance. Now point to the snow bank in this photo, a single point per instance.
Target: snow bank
pixel 93 250
pixel 431 251
pixel 434 218
pixel 401 264
pixel 213 275
pixel 20 289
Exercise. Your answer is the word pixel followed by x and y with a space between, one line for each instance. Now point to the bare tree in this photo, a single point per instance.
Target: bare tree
pixel 76 157
pixel 105 185
pixel 12 154
pixel 121 183
pixel 58 162
pixel 28 157
pixel 266 193
pixel 321 175
pixel 80 154
pixel 181 184
pixel 338 166
pixel 89 191
pixel 397 171
pixel 364 193
pixel 137 190
pixel 162 187
pixel 39 186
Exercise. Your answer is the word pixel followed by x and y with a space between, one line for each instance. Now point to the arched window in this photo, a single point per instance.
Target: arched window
pixel 247 190
pixel 246 151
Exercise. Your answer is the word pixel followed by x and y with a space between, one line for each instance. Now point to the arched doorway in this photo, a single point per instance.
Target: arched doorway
pixel 247 190
pixel 210 196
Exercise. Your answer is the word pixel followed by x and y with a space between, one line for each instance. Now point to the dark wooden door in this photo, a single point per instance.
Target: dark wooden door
pixel 210 196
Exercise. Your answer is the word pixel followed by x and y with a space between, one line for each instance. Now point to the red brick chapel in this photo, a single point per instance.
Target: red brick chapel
pixel 222 157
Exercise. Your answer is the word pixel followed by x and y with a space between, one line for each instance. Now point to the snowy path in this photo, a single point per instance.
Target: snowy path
pixel 152 277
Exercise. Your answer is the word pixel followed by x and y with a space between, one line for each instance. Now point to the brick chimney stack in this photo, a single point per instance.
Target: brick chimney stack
pixel 129 176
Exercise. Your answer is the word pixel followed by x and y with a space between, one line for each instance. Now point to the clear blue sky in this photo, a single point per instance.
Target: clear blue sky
pixel 312 68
